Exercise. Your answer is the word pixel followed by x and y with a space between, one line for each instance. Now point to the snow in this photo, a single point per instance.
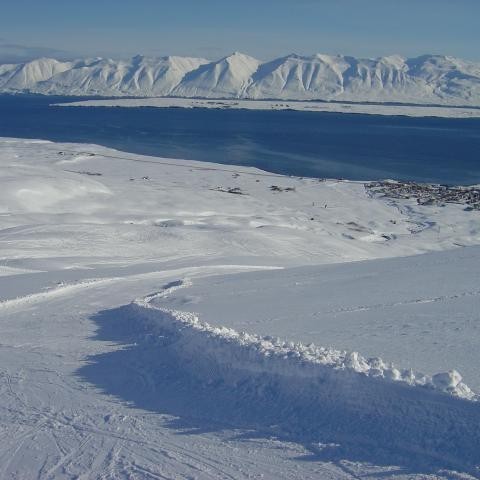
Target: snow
pixel 229 350
pixel 338 384
pixel 428 79
pixel 152 326
pixel 229 77
pixel 26 76
pixel 139 76
pixel 418 312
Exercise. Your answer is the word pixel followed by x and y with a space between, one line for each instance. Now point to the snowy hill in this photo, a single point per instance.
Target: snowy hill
pixel 425 79
pixel 141 299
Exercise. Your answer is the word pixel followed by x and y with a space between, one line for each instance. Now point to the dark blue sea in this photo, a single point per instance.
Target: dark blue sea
pixel 357 147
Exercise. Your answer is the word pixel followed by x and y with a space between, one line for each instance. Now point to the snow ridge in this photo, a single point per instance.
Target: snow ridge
pixel 321 392
pixel 256 354
pixel 428 79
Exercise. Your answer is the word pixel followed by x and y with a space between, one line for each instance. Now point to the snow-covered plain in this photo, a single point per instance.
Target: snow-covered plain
pixel 428 79
pixel 336 107
pixel 125 282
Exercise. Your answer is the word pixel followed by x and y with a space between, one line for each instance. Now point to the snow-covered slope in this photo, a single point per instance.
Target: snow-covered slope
pixel 296 77
pixel 29 76
pixel 112 264
pixel 140 76
pixel 229 77
pixel 426 79
pixel 393 78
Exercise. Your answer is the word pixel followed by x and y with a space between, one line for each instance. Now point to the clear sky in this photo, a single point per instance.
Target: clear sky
pixel 262 28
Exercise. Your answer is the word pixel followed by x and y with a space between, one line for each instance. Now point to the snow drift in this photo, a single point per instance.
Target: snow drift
pixel 426 79
pixel 342 394
pixel 252 354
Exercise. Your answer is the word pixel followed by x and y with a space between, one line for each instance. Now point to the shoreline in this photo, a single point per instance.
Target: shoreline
pixel 283 105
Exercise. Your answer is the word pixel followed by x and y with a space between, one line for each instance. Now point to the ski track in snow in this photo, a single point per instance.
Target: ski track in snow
pixel 69 288
pixel 379 306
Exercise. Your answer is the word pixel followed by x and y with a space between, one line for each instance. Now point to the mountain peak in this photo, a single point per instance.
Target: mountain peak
pixel 239 56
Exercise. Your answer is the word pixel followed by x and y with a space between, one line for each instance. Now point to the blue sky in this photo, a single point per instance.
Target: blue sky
pixel 262 28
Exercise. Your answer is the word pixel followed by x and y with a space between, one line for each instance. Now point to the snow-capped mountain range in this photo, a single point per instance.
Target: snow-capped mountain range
pixel 425 79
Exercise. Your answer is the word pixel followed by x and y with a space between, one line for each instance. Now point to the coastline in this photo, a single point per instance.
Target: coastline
pixel 279 105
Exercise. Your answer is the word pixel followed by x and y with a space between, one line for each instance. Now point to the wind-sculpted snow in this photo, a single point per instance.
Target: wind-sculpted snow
pixel 428 79
pixel 342 393
pixel 256 354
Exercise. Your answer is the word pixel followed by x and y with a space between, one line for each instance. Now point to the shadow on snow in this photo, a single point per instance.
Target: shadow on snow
pixel 146 373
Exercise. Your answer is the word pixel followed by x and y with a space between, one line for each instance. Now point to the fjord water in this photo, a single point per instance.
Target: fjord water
pixel 356 147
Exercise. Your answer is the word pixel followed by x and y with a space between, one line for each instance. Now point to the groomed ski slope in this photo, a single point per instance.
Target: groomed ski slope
pixel 126 283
